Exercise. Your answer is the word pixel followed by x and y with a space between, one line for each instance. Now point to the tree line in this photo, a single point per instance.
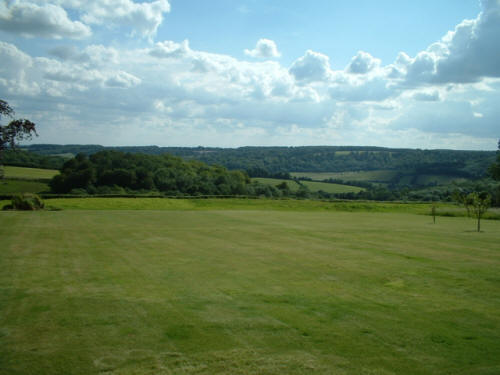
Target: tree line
pixel 116 172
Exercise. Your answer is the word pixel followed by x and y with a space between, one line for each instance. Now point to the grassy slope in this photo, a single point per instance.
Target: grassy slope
pixel 22 186
pixel 276 181
pixel 378 175
pixel 312 185
pixel 29 173
pixel 331 188
pixel 291 291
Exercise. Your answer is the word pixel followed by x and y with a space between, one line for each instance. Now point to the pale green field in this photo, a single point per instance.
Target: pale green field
pixel 22 186
pixel 29 173
pixel 331 188
pixel 276 181
pixel 311 185
pixel 301 288
pixel 379 175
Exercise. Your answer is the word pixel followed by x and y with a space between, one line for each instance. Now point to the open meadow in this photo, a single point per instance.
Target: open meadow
pixel 247 287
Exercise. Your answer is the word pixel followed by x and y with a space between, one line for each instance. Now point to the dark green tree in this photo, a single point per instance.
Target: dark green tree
pixel 494 169
pixel 480 204
pixel 15 131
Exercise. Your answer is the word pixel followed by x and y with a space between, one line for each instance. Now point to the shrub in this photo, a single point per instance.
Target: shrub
pixel 27 201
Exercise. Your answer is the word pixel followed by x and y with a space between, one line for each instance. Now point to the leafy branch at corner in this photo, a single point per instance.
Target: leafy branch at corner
pixel 16 131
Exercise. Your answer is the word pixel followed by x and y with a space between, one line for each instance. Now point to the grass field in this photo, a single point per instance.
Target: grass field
pixel 311 185
pixel 378 175
pixel 230 287
pixel 22 186
pixel 29 173
pixel 331 188
pixel 294 186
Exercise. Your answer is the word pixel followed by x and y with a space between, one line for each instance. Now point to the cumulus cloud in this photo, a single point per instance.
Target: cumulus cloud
pixel 265 48
pixel 144 18
pixel 363 63
pixel 69 53
pixel 170 49
pixel 465 55
pixel 48 21
pixel 122 79
pixel 311 67
pixel 426 96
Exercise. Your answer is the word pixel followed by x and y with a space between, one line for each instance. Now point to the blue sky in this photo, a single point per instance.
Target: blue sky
pixel 231 73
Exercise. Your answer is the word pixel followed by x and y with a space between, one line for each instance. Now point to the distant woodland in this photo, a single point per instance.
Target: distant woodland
pixel 263 161
pixel 413 174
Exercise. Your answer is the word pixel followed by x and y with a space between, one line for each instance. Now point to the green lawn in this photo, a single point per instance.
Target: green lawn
pixel 230 287
pixel 22 186
pixel 29 173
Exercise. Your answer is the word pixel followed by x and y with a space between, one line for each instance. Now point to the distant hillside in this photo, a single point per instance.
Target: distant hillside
pixel 266 161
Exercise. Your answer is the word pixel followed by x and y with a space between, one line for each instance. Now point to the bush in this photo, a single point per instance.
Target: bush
pixel 26 201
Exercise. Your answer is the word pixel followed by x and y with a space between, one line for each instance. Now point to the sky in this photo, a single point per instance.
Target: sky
pixel 230 73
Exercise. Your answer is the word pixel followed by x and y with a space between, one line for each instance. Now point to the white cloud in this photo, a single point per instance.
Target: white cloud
pixel 311 67
pixel 363 63
pixel 427 96
pixel 171 49
pixel 168 93
pixel 47 21
pixel 144 17
pixel 465 55
pixel 265 48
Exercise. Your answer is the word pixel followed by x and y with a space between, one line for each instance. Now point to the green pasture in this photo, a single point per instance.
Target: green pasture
pixel 22 186
pixel 331 188
pixel 294 186
pixel 234 287
pixel 311 185
pixel 378 175
pixel 29 173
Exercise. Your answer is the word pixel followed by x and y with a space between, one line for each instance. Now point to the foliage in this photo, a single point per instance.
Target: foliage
pixel 118 172
pixel 12 133
pixel 25 202
pixel 277 162
pixel 479 202
pixel 22 158
pixel 494 169
pixel 15 131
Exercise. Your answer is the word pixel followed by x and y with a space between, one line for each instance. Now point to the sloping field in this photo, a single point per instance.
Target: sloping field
pixel 29 173
pixel 311 185
pixel 22 186
pixel 276 181
pixel 378 175
pixel 331 188
pixel 247 292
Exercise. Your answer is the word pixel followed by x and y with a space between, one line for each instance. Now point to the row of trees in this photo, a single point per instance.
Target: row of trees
pixel 274 161
pixel 115 172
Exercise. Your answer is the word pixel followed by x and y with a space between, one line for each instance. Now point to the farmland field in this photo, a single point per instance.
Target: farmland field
pixel 275 181
pixel 29 173
pixel 230 287
pixel 331 188
pixel 24 186
pixel 311 185
pixel 378 175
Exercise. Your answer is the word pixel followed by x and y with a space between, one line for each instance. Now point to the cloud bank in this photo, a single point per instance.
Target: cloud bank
pixel 167 93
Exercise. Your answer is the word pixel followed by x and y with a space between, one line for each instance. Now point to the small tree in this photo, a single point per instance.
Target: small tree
pixel 480 204
pixel 14 132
